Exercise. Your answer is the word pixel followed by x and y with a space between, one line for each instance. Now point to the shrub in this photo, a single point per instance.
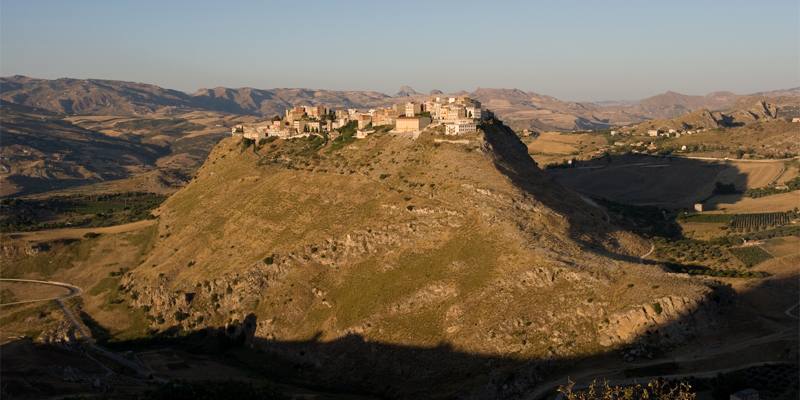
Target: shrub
pixel 656 389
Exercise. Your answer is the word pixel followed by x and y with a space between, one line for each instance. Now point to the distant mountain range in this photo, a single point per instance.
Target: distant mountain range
pixel 517 108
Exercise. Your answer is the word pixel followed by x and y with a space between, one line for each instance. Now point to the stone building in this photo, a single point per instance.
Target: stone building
pixel 411 124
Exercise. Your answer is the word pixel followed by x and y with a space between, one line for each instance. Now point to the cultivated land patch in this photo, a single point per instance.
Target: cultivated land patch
pixel 740 204
pixel 666 182
pixel 556 147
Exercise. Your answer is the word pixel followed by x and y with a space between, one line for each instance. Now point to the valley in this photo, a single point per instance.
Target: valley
pixel 365 261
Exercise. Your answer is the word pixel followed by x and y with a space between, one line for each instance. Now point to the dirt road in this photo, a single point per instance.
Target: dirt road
pixel 77 233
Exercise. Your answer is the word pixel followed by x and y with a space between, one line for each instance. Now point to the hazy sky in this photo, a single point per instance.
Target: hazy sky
pixel 577 50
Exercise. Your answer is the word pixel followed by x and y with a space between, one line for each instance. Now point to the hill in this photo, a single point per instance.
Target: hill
pixel 105 97
pixel 90 96
pixel 673 104
pixel 274 101
pixel 44 152
pixel 745 111
pixel 520 109
pixel 400 242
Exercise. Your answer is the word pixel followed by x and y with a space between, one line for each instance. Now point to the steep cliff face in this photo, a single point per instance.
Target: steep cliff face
pixel 401 242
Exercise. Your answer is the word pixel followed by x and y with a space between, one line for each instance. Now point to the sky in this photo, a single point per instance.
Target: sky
pixel 573 50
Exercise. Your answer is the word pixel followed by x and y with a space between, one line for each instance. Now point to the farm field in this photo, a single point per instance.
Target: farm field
pixel 643 180
pixel 750 255
pixel 739 204
pixel 783 246
pixel 555 147
pixel 791 172
pixel 669 182
pixel 755 174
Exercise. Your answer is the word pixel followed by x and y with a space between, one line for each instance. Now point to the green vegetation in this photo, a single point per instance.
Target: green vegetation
pixel 694 269
pixel 164 126
pixel 761 221
pixel 347 135
pixel 74 211
pixel 707 218
pixel 690 250
pixel 51 257
pixel 751 255
pixel 744 222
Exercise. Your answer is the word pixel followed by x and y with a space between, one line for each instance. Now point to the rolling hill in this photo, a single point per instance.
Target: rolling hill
pixel 41 151
pixel 394 242
pixel 520 109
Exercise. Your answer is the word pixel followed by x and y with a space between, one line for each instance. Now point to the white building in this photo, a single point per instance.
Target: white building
pixel 652 132
pixel 412 109
pixel 473 112
pixel 460 127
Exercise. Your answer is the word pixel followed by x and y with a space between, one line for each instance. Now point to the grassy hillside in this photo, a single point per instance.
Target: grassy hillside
pixel 399 241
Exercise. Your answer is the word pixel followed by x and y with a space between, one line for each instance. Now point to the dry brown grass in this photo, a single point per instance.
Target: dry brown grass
pixel 773 203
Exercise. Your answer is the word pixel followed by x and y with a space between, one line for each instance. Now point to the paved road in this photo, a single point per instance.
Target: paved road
pixel 73 291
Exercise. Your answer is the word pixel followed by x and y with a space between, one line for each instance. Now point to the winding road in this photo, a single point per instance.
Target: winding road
pixel 85 336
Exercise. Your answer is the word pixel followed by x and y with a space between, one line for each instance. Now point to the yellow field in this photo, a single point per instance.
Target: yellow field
pixel 739 204
pixel 554 147
pixel 790 173
pixel 783 246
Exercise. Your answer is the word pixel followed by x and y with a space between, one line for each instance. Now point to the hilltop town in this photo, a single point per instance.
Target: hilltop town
pixel 458 115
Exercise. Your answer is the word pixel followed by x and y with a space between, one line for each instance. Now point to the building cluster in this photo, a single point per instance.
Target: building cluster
pixel 459 115
pixel 675 133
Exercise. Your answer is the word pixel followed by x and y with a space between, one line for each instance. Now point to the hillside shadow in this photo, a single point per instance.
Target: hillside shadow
pixel 355 365
pixel 664 181
pixel 590 224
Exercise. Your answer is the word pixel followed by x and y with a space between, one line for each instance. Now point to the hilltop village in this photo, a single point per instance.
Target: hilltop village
pixel 459 115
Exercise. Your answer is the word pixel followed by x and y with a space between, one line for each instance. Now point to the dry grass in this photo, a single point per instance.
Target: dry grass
pixel 774 203
pixel 555 147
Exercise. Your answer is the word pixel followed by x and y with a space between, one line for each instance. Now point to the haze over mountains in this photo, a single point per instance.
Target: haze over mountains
pixel 518 108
